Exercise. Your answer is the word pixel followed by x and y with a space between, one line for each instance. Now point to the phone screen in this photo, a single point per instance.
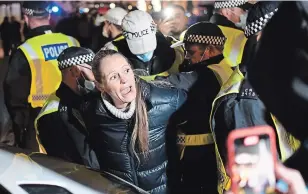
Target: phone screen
pixel 253 167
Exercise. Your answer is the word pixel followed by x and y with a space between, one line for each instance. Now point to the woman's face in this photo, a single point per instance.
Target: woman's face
pixel 118 80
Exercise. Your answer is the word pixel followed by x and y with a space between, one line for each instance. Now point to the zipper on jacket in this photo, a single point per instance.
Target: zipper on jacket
pixel 132 158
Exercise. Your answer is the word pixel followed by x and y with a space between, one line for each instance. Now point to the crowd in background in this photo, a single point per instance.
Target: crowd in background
pixel 85 27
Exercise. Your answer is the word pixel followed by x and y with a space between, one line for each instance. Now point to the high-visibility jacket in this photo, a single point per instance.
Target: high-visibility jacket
pixel 222 72
pixel 174 68
pixel 287 143
pixel 51 105
pixel 41 53
pixel 234 45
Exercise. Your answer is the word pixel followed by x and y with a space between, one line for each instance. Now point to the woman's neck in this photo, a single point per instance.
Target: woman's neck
pixel 120 105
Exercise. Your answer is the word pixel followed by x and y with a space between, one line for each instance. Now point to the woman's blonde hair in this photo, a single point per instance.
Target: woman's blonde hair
pixel 141 127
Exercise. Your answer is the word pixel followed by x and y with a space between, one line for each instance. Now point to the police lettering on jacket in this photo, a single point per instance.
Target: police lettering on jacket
pixel 52 51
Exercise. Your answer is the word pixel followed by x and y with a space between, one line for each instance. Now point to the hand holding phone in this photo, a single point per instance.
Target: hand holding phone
pixel 293 182
pixel 293 179
pixel 252 158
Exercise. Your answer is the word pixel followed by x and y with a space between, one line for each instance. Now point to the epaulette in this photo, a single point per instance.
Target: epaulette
pixel 246 91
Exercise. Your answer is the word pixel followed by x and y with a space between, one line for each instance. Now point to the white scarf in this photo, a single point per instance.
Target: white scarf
pixel 120 113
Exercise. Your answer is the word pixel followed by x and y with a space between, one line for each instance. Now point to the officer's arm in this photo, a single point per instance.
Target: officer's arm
pixel 16 88
pixel 54 137
pixel 184 80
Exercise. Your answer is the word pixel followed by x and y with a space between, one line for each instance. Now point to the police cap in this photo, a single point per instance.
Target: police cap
pixel 259 15
pixel 243 4
pixel 203 33
pixel 75 56
pixel 36 8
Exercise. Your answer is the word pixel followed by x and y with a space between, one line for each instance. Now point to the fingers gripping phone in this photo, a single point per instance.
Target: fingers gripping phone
pixel 252 159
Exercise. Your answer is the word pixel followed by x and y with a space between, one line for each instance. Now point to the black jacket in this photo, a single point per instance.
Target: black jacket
pixel 16 88
pixel 162 60
pixel 198 167
pixel 279 73
pixel 63 133
pixel 111 136
pixel 238 110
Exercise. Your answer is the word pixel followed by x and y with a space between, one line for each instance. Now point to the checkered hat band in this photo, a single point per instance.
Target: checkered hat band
pixel 32 12
pixel 76 61
pixel 28 12
pixel 213 40
pixel 229 4
pixel 256 26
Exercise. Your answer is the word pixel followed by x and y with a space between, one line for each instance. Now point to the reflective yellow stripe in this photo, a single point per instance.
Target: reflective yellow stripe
pixel 287 143
pixel 236 48
pixel 38 93
pixel 195 140
pixel 51 105
pixel 115 40
pixel 119 38
pixel 74 41
pixel 152 77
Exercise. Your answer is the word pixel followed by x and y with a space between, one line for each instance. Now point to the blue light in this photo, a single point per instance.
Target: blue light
pixel 55 9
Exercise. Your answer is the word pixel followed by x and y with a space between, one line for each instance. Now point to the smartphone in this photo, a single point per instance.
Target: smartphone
pixel 252 158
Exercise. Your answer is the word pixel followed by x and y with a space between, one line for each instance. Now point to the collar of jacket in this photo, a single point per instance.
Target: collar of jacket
pixel 214 60
pixel 38 31
pixel 119 37
pixel 223 21
pixel 68 96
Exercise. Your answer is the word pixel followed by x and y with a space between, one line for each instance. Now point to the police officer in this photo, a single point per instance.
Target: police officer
pixel 238 106
pixel 33 73
pixel 148 50
pixel 231 18
pixel 279 74
pixel 204 44
pixel 59 126
pixel 112 27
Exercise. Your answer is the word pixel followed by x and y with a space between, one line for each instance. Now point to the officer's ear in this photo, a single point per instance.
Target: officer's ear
pixel 227 12
pixel 26 18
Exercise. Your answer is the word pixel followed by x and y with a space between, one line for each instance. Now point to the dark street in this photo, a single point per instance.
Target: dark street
pixel 5 124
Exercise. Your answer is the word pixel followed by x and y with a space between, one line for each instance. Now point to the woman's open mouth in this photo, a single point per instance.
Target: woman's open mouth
pixel 126 90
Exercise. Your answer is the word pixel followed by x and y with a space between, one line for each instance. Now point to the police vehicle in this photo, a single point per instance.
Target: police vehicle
pixel 23 172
